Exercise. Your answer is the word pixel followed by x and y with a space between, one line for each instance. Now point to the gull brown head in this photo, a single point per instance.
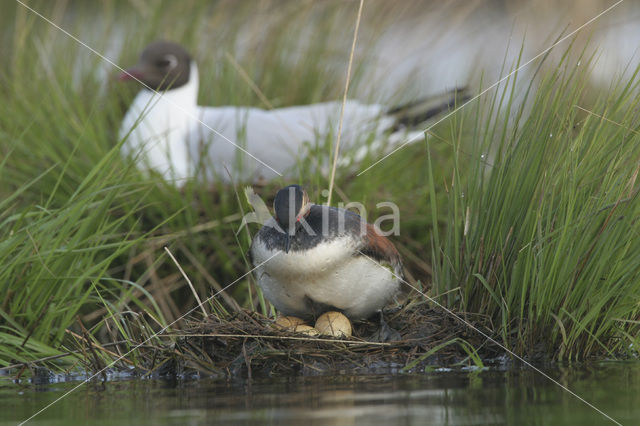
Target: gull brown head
pixel 162 65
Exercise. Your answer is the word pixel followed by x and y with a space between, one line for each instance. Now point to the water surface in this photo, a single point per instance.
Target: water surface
pixel 494 396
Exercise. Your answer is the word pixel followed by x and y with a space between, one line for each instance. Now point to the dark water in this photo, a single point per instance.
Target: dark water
pixel 513 396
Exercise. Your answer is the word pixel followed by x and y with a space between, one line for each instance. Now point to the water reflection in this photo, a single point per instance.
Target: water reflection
pixel 514 396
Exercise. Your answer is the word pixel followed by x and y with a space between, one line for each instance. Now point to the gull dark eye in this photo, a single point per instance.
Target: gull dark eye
pixel 167 61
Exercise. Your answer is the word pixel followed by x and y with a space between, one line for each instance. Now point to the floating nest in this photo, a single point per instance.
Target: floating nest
pixel 249 345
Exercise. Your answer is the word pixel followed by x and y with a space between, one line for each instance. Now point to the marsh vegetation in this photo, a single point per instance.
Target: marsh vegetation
pixel 519 212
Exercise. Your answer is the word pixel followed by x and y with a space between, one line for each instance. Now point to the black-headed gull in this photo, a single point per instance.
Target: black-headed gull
pixel 167 131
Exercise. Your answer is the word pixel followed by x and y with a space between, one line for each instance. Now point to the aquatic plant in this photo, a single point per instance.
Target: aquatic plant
pixel 542 234
pixel 533 237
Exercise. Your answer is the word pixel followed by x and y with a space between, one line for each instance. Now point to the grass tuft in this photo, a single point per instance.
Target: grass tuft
pixel 543 235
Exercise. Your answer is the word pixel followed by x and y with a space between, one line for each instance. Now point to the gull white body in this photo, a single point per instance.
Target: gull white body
pixel 169 133
pixel 157 128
